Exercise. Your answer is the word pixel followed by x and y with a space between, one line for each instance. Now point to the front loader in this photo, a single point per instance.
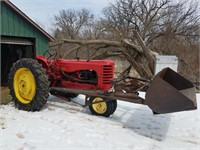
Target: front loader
pixel 31 81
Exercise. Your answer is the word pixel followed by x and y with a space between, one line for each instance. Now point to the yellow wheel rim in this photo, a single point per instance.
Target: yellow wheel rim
pixel 24 85
pixel 101 107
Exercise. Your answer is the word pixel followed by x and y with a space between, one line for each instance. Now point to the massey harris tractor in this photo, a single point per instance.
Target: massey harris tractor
pixel 31 81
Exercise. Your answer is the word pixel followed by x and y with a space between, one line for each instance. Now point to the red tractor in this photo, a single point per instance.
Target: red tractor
pixel 31 81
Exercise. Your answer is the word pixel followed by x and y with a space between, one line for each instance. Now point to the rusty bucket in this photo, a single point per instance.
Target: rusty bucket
pixel 170 92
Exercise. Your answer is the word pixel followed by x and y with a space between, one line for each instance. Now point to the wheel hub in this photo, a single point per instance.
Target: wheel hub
pixel 101 107
pixel 24 85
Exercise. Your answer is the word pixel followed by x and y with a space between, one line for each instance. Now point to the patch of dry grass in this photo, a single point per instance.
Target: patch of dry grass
pixel 5 97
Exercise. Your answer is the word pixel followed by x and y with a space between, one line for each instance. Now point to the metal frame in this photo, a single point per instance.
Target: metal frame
pixel 107 96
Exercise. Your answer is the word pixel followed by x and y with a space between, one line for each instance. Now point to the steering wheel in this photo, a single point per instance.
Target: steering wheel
pixel 49 54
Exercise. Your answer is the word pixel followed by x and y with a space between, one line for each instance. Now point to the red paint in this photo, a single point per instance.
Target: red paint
pixel 61 70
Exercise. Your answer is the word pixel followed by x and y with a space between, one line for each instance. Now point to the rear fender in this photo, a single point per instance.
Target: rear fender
pixel 43 61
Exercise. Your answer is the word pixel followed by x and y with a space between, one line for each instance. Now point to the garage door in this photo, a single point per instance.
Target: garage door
pixel 16 41
pixel 13 49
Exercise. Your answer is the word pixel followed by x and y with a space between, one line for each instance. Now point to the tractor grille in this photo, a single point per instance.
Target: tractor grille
pixel 107 74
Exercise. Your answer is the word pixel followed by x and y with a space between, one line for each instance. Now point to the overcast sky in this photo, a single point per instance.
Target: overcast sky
pixel 42 11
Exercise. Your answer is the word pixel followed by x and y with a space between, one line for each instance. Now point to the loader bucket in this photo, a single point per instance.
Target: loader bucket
pixel 170 92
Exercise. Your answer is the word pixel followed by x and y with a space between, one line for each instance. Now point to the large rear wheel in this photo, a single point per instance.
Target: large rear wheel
pixel 28 85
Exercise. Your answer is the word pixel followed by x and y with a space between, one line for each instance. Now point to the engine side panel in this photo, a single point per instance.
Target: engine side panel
pixel 62 73
pixel 103 68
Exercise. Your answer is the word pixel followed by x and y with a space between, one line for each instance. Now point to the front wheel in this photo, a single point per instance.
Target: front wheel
pixel 28 85
pixel 102 108
pixel 114 103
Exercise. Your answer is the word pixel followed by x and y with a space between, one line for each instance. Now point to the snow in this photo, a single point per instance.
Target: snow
pixel 64 125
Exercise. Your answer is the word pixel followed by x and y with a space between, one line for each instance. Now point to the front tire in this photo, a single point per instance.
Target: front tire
pixel 102 108
pixel 29 85
pixel 114 105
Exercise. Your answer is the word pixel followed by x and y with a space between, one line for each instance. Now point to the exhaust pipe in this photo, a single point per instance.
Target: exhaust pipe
pixel 170 92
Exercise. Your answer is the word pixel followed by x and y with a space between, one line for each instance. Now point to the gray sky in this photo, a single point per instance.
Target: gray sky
pixel 42 11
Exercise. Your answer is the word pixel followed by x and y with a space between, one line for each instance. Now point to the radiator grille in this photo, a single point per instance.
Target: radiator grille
pixel 107 74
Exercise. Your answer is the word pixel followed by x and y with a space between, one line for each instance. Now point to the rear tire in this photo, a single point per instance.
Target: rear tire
pixel 29 85
pixel 101 109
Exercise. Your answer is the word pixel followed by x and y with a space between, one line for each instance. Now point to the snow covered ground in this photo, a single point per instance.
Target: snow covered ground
pixel 67 126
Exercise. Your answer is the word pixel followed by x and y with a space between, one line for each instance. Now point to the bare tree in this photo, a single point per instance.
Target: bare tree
pixel 162 24
pixel 152 18
pixel 71 23
pixel 140 15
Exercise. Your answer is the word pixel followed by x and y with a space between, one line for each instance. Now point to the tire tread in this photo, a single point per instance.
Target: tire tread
pixel 42 84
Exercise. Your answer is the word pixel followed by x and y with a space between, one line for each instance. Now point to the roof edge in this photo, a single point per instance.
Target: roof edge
pixel 28 19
